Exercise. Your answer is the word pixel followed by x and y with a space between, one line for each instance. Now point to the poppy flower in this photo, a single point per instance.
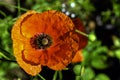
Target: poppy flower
pixel 46 39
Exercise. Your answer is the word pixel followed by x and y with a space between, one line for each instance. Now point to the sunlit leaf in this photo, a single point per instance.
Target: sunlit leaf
pixel 102 77
pixel 117 53
pixel 99 62
pixel 89 74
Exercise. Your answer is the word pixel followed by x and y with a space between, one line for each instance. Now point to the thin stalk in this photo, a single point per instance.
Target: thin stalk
pixel 60 75
pixel 41 77
pixel 23 9
pixel 82 72
pixel 1 12
pixel 55 75
pixel 4 60
pixel 4 54
pixel 19 11
pixel 31 77
pixel 80 32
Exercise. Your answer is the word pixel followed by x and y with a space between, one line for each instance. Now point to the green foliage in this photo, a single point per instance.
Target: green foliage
pixel 42 5
pixel 116 8
pixel 81 8
pixel 5 27
pixel 99 62
pixel 5 68
pixel 97 55
pixel 77 69
pixel 102 77
pixel 89 74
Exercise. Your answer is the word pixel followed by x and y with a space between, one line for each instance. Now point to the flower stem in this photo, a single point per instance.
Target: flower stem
pixel 2 13
pixel 41 77
pixel 7 58
pixel 4 54
pixel 55 75
pixel 80 32
pixel 19 7
pixel 60 75
pixel 23 9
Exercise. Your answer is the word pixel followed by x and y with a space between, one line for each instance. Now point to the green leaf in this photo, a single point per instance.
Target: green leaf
pixel 102 77
pixel 99 62
pixel 89 74
pixel 117 53
pixel 77 69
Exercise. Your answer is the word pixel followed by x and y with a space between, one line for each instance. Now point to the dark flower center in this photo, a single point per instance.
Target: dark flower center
pixel 41 41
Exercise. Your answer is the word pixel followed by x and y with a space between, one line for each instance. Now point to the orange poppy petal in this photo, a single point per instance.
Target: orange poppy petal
pixel 28 68
pixel 18 46
pixel 16 31
pixel 60 57
pixel 83 39
pixel 58 66
pixel 78 57
pixel 59 62
pixel 63 56
pixel 31 25
pixel 35 57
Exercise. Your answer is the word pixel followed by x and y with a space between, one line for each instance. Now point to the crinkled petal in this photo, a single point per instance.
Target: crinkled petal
pixel 28 68
pixel 18 46
pixel 16 30
pixel 64 53
pixel 83 39
pixel 32 25
pixel 58 66
pixel 78 57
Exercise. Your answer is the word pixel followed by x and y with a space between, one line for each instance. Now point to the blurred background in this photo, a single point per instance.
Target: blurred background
pixel 101 20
